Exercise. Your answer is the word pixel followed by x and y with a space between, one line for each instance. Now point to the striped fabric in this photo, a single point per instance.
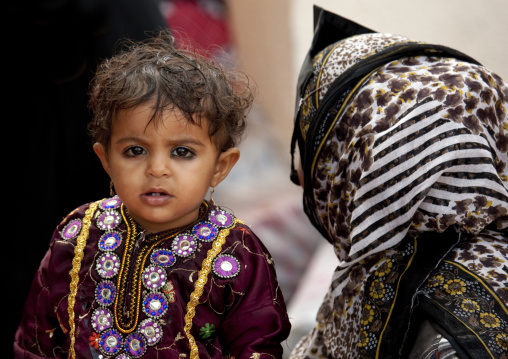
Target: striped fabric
pixel 412 164
pixel 435 163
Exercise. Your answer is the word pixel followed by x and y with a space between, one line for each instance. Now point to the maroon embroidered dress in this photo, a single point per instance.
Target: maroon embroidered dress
pixel 208 290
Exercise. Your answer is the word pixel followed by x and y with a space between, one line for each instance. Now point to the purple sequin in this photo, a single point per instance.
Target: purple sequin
pixel 226 266
pixel 108 265
pixel 110 241
pixel 110 342
pixel 205 231
pixel 221 218
pixel 155 305
pixel 154 277
pixel 110 203
pixel 162 257
pixel 102 319
pixel 135 345
pixel 184 245
pixel 105 293
pixel 72 229
pixel 151 330
pixel 108 220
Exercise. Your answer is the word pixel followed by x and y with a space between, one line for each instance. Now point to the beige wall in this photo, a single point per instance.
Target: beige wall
pixel 262 32
pixel 273 37
pixel 478 28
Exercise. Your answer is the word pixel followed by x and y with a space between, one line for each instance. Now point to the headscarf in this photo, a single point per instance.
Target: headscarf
pixel 398 139
pixel 391 145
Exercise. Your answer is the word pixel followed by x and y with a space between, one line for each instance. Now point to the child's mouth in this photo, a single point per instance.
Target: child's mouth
pixel 156 198
pixel 156 193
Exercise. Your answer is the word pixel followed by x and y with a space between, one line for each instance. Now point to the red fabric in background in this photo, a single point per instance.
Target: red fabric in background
pixel 203 25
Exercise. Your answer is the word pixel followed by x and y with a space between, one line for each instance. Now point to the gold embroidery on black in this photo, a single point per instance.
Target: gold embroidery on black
pixel 129 284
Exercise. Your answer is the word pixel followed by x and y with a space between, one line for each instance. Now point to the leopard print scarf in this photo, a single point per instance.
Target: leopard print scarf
pixel 419 145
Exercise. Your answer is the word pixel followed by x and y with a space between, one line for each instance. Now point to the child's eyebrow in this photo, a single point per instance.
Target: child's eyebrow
pixel 128 140
pixel 180 141
pixel 186 141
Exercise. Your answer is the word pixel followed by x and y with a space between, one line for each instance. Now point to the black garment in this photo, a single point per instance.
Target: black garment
pixel 50 52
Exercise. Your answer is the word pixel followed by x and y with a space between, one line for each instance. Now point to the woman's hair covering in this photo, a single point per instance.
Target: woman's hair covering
pixel 311 135
pixel 404 149
pixel 328 29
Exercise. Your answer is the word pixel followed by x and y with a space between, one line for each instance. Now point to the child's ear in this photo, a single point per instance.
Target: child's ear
pixel 225 163
pixel 100 151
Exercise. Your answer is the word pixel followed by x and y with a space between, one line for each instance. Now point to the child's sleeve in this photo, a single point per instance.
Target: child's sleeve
pixel 258 323
pixel 40 333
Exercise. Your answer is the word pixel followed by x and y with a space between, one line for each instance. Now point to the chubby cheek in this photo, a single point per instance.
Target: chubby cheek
pixel 126 192
pixel 125 181
pixel 194 189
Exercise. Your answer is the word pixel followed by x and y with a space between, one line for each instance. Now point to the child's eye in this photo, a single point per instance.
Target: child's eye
pixel 182 152
pixel 135 151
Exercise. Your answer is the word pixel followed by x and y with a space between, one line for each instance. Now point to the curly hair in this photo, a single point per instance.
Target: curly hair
pixel 156 71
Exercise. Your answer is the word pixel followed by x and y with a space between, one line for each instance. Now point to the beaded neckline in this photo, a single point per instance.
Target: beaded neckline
pixel 134 294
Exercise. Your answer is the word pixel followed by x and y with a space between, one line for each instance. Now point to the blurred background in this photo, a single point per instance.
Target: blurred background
pixel 51 48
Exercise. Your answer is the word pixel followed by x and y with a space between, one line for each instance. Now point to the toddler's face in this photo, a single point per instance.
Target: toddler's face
pixel 162 172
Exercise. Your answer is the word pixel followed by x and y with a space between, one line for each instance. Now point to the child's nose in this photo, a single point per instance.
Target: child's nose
pixel 159 166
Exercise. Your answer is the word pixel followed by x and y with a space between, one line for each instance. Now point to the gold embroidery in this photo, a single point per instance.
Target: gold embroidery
pixel 74 273
pixel 126 322
pixel 200 284
pixel 126 308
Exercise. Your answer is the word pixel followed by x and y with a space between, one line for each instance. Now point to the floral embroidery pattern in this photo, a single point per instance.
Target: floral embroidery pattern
pixel 169 291
pixel 486 256
pixel 470 301
pixel 469 305
pixel 206 331
pixel 367 314
pixel 380 297
pixel 454 287
pixel 94 340
pixel 502 340
pixel 364 339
